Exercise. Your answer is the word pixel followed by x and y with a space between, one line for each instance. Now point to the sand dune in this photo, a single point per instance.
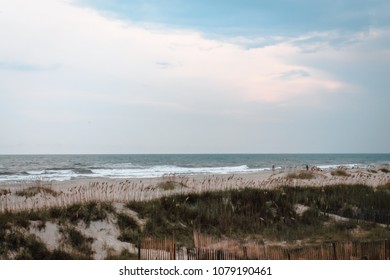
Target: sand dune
pixel 18 196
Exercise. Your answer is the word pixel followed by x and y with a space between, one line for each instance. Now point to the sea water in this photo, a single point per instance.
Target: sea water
pixel 67 167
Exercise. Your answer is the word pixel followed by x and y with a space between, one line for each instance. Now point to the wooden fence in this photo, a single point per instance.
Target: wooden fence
pixel 156 249
pixel 153 249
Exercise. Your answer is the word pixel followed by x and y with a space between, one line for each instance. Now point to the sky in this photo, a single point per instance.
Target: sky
pixel 181 76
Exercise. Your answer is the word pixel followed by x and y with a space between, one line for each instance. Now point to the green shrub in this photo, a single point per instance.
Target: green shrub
pixel 167 186
pixel 129 235
pixel 301 175
pixel 32 191
pixel 58 254
pixel 21 246
pixel 78 241
pixel 4 192
pixel 88 212
pixel 311 217
pixel 339 172
pixel 124 255
pixel 269 213
pixel 345 226
pixel 125 221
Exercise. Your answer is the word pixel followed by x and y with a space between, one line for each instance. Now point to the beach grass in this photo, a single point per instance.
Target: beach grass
pixel 339 172
pixel 265 215
pixel 20 245
pixel 80 244
pixel 167 186
pixel 124 255
pixel 4 192
pixel 16 241
pixel 129 228
pixel 87 212
pixel 171 182
pixel 305 175
pixel 33 191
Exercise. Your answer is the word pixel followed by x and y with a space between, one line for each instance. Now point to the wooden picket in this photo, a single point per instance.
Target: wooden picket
pixel 208 248
pixel 157 249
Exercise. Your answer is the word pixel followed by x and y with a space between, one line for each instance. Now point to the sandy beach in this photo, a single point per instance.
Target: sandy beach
pixel 123 190
pixel 34 195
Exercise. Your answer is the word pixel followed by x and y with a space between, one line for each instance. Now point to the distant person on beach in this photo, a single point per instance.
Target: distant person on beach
pixel 273 167
pixel 307 167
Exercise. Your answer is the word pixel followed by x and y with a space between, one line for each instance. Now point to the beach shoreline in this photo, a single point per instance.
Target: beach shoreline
pixel 73 167
pixel 82 190
pixel 27 198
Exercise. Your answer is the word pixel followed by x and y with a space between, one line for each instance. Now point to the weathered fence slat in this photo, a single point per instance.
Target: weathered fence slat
pixel 218 249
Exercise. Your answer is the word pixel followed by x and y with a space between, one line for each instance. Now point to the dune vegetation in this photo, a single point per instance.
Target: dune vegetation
pixel 285 214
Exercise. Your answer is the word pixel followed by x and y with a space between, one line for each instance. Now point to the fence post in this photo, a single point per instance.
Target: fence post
pixel 173 250
pixel 245 251
pixel 219 255
pixel 334 250
pixel 139 249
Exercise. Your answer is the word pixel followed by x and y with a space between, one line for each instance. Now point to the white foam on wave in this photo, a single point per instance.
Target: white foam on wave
pixel 149 172
pixel 334 166
pixel 35 173
pixel 57 175
pixel 122 171
pixel 161 170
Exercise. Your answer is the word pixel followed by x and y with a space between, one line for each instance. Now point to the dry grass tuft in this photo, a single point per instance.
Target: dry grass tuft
pixel 32 191
pixel 339 172
pixel 171 182
pixel 4 192
pixel 301 175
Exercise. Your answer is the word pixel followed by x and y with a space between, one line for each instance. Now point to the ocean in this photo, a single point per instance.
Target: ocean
pixel 67 167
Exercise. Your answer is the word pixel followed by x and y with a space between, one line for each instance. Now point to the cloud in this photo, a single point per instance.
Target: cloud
pixel 164 65
pixel 103 56
pixel 60 61
pixel 251 18
pixel 25 67
pixel 296 73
